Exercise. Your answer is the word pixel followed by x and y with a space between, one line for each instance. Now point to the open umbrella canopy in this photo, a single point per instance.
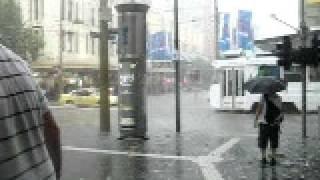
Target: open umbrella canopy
pixel 265 85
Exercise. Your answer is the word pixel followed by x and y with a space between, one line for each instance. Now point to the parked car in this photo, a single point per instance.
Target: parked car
pixel 85 97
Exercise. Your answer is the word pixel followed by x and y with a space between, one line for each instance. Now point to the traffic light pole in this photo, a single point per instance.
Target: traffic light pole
pixel 61 44
pixel 177 64
pixel 216 30
pixel 104 69
pixel 303 34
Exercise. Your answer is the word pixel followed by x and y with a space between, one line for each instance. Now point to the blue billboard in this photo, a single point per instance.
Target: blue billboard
pixel 160 46
pixel 245 30
pixel 224 42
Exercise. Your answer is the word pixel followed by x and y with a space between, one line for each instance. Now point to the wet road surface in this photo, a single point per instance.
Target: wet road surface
pixel 212 145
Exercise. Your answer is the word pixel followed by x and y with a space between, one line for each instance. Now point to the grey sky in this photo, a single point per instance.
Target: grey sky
pixel 264 25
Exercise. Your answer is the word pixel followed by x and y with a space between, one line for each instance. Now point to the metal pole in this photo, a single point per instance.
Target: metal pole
pixel 177 63
pixel 304 102
pixel 318 121
pixel 216 29
pixel 104 69
pixel 304 29
pixel 61 44
pixel 216 40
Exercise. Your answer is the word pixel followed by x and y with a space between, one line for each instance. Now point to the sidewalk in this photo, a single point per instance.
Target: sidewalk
pixel 297 159
pixel 212 146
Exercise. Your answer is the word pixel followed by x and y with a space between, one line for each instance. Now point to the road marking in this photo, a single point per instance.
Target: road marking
pixel 82 108
pixel 224 148
pixel 206 163
pixel 210 172
pixel 130 154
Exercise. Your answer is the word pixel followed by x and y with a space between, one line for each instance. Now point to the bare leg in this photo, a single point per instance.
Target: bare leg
pixel 263 157
pixel 263 153
pixel 273 152
pixel 273 156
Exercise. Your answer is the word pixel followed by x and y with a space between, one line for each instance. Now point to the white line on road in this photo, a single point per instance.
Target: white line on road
pixel 206 163
pixel 131 154
pixel 210 172
pixel 224 148
pixel 82 108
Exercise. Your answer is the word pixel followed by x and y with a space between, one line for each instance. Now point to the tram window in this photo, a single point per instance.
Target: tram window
pixel 224 83
pixel 315 74
pixel 229 83
pixel 269 71
pixel 242 81
pixel 293 75
pixel 237 83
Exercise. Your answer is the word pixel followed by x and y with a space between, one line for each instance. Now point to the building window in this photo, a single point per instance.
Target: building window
pixel 69 42
pixel 36 9
pixel 63 9
pixel 31 10
pixel 92 17
pixel 63 34
pixel 77 43
pixel 293 75
pixel 39 33
pixel 77 11
pixel 269 71
pixel 93 46
pixel 70 10
pixel 87 44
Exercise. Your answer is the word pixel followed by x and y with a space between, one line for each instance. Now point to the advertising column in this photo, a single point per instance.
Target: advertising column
pixel 132 60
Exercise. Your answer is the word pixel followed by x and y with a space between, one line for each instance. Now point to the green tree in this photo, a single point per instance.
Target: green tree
pixel 15 35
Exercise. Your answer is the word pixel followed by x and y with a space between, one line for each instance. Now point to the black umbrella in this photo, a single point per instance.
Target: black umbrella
pixel 265 85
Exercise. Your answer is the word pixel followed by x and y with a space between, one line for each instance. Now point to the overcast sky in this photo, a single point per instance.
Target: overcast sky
pixel 264 25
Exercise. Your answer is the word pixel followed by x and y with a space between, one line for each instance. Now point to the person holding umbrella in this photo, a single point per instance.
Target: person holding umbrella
pixel 270 108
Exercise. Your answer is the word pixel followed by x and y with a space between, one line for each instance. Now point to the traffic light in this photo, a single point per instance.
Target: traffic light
pixel 284 52
pixel 315 57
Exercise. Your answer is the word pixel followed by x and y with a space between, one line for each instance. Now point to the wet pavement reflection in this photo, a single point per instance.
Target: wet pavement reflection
pixel 267 175
pixel 167 156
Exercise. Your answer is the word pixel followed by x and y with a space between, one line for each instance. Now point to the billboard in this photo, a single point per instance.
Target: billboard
pixel 224 42
pixel 160 46
pixel 245 30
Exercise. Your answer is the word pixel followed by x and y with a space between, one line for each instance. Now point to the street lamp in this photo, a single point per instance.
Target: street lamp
pixel 303 36
pixel 274 16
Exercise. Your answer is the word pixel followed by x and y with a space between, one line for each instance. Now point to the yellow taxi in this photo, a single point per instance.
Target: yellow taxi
pixel 85 97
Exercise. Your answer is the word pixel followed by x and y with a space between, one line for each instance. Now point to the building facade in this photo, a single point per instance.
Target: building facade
pixel 67 27
pixel 313 14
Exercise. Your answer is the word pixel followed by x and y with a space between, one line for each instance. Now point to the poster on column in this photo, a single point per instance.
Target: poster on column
pixel 126 79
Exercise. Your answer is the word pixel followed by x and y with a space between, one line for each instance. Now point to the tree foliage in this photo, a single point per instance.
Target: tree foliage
pixel 15 35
